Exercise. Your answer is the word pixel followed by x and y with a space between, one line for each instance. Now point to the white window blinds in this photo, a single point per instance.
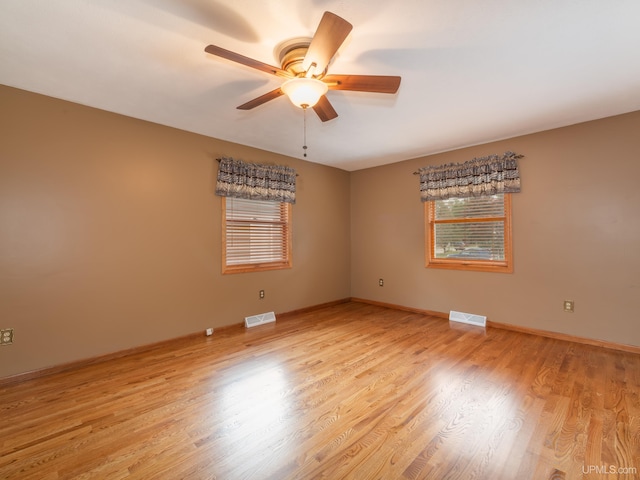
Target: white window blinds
pixel 257 234
pixel 472 233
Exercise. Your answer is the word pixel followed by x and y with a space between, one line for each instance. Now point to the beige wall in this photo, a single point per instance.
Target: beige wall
pixel 110 234
pixel 576 234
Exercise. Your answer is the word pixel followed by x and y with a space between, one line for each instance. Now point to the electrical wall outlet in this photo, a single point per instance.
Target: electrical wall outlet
pixel 261 294
pixel 6 336
pixel 568 306
pixel 208 332
pixel 381 282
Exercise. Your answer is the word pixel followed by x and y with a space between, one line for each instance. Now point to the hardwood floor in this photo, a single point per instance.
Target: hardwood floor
pixel 349 391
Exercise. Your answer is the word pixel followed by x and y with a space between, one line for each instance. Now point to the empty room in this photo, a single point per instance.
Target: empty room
pixel 301 239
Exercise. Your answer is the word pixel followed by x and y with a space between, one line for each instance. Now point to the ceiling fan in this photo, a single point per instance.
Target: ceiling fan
pixel 304 64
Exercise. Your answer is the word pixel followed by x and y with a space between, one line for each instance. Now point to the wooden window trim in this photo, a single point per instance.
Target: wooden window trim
pixel 505 266
pixel 258 267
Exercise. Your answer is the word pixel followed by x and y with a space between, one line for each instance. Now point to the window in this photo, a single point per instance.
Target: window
pixel 470 233
pixel 256 235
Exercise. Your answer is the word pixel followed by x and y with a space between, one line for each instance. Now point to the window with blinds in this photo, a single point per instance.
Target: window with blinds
pixel 470 233
pixel 256 235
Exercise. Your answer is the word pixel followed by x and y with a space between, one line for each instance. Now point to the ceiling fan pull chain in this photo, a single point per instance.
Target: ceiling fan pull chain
pixel 304 146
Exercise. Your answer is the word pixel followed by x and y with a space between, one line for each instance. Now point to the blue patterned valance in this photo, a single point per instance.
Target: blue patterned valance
pixel 256 182
pixel 477 177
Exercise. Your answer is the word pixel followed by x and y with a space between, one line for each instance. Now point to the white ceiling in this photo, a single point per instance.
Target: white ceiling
pixel 472 71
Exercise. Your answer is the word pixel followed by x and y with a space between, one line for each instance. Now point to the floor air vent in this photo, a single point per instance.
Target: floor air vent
pixel 260 319
pixel 469 318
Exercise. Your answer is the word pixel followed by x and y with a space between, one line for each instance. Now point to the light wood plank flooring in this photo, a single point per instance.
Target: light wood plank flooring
pixel 349 391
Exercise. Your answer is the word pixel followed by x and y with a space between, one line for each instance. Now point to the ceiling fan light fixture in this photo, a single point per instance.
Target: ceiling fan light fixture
pixel 304 92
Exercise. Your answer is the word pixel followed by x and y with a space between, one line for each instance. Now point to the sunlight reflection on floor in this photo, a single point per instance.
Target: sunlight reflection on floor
pixel 258 411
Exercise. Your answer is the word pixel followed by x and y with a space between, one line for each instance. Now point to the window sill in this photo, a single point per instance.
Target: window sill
pixel 477 266
pixel 258 267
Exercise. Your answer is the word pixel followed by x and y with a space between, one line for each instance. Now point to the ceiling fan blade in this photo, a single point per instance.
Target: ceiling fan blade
pixel 331 33
pixel 256 102
pixel 363 83
pixel 249 62
pixel 324 109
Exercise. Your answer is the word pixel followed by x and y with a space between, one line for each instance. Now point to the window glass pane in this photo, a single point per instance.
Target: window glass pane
pixel 470 241
pixel 243 209
pixel 473 207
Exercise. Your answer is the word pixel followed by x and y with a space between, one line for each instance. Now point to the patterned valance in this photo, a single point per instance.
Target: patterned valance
pixel 256 182
pixel 477 177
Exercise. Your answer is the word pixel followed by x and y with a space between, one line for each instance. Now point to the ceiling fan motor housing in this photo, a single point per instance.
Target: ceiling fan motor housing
pixel 291 58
